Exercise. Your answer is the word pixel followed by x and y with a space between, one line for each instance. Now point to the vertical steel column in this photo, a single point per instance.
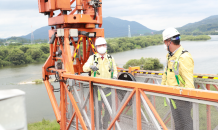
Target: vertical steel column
pixel 77 122
pixel 63 106
pixel 84 49
pixel 82 97
pixel 81 93
pixel 153 97
pixel 195 116
pixel 208 112
pixel 134 111
pixel 67 52
pixel 117 101
pixel 113 100
pixel 97 125
pixel 153 101
pixel 138 110
pixel 92 105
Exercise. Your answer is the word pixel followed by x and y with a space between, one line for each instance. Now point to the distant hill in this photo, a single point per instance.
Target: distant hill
pixel 114 27
pixel 15 40
pixel 41 33
pixel 206 26
pixel 209 24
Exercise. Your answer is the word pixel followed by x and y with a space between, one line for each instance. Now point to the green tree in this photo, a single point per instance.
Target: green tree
pixel 35 53
pixel 4 63
pixel 24 48
pixel 28 58
pixel 144 63
pixel 16 57
pixel 45 48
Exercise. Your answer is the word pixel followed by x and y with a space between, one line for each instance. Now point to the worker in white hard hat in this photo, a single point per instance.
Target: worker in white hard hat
pixel 178 73
pixel 102 65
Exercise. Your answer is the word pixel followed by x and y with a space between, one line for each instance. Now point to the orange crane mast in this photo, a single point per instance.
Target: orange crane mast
pixel 72 27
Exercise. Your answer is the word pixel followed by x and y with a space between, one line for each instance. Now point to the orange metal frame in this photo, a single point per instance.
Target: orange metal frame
pixel 138 89
pixel 85 20
pixel 84 17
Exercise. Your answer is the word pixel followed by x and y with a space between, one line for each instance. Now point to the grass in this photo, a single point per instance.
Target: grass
pixel 44 125
pixel 38 81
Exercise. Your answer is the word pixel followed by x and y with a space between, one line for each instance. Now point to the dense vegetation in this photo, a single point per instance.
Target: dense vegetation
pixel 13 40
pixel 195 38
pixel 200 33
pixel 125 43
pixel 16 54
pixel 144 63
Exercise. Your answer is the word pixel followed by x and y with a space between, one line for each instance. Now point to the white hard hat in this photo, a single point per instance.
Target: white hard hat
pixel 100 41
pixel 169 33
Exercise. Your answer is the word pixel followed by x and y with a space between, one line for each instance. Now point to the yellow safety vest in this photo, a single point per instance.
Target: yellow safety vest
pixel 178 77
pixel 96 72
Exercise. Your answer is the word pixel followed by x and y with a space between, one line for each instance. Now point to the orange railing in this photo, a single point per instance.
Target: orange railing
pixel 138 89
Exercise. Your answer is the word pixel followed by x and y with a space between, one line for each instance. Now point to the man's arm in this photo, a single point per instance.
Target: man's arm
pixel 115 68
pixel 164 77
pixel 186 68
pixel 86 66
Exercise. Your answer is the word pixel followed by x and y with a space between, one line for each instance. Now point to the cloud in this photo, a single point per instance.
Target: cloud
pixel 17 16
pixel 18 4
pixel 19 23
pixel 157 22
pixel 161 14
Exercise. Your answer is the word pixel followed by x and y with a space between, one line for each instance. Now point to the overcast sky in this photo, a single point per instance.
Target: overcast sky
pixel 17 16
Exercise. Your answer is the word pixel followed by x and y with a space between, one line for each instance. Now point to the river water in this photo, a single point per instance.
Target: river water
pixel 38 106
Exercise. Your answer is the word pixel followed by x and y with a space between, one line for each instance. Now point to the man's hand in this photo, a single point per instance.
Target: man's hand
pixel 94 68
pixel 115 77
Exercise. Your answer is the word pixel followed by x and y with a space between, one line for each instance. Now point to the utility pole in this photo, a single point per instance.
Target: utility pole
pixel 129 33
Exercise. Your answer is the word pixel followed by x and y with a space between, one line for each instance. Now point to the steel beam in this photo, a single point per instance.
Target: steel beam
pixel 150 114
pixel 108 106
pixel 196 116
pixel 175 91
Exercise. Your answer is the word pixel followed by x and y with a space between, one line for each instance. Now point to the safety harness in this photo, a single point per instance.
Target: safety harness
pixel 111 69
pixel 175 69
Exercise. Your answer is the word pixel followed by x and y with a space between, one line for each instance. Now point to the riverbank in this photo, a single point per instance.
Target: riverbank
pixel 44 125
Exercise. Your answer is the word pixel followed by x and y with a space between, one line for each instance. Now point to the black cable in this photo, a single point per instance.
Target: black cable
pixel 50 70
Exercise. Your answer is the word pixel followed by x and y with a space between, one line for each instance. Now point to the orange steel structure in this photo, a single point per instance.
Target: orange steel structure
pixel 82 21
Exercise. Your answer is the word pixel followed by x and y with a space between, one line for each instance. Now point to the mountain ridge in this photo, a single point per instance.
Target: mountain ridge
pixel 113 27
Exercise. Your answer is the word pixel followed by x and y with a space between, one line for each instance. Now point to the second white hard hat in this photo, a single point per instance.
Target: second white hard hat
pixel 100 41
pixel 169 33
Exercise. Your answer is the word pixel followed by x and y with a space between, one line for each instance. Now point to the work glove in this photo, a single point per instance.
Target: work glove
pixel 115 77
pixel 94 68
